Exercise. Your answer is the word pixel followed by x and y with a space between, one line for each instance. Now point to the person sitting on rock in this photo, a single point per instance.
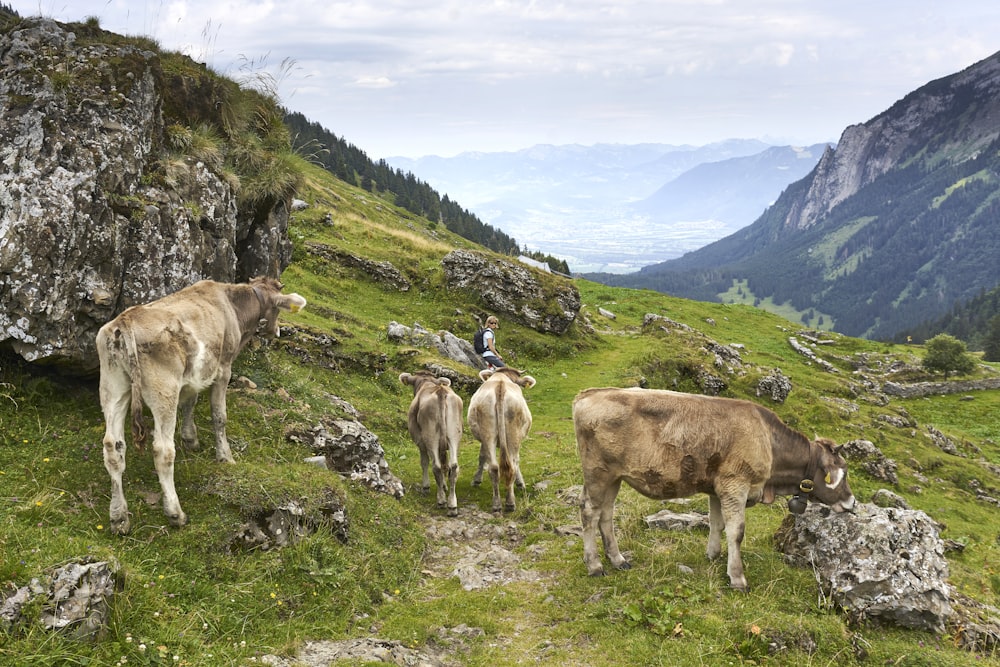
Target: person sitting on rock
pixel 490 354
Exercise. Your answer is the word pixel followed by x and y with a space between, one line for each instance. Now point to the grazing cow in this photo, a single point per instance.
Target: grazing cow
pixel 499 419
pixel 435 424
pixel 166 352
pixel 666 444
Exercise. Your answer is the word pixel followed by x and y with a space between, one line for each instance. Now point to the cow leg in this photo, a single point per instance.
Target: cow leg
pixel 115 393
pixel 715 525
pixel 597 508
pixel 164 409
pixel 425 462
pixel 189 432
pixel 439 478
pixel 219 418
pixel 734 514
pixel 484 457
pixel 452 484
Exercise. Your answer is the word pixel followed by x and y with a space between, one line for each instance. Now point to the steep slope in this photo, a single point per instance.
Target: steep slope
pixel 892 227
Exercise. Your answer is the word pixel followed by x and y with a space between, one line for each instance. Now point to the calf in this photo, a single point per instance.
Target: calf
pixel 666 444
pixel 499 419
pixel 164 353
pixel 435 424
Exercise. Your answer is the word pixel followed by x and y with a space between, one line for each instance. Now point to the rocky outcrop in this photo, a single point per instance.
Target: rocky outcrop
pixel 95 214
pixel 880 565
pixel 446 343
pixel 509 289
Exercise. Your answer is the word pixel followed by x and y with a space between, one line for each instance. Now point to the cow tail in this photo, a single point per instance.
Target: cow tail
pixel 134 372
pixel 442 445
pixel 505 462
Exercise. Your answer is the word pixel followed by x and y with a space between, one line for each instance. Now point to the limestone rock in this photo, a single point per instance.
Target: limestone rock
pixel 446 343
pixel 352 450
pixel 94 214
pixel 76 598
pixel 881 565
pixel 513 290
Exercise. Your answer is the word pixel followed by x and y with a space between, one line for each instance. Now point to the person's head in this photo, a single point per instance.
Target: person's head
pixel 492 322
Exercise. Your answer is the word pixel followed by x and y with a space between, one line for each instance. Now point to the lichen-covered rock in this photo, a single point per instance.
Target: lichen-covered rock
pixel 352 450
pixel 541 301
pixel 881 565
pixel 95 215
pixel 446 343
pixel 75 598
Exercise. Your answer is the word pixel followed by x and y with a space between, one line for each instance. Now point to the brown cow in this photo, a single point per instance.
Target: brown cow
pixel 499 419
pixel 166 352
pixel 435 424
pixel 666 444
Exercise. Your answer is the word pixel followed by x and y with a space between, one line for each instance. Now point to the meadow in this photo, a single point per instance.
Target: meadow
pixel 188 598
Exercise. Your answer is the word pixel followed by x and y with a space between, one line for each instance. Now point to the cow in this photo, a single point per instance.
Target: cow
pixel 164 353
pixel 666 444
pixel 499 419
pixel 435 424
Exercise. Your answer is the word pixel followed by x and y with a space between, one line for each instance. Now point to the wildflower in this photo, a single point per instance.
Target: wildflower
pixel 100 526
pixel 273 596
pixel 38 503
pixel 160 577
pixel 396 592
pixel 142 648
pixel 755 629
pixel 128 638
pixel 45 460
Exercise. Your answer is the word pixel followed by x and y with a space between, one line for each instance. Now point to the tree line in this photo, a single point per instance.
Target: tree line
pixel 352 165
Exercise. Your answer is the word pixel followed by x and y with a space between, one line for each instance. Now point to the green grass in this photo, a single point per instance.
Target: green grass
pixel 185 590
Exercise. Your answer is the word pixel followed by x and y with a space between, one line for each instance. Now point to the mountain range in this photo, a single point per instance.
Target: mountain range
pixel 613 207
pixel 893 227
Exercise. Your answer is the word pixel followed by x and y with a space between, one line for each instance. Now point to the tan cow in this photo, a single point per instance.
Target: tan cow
pixel 666 444
pixel 435 424
pixel 166 352
pixel 499 419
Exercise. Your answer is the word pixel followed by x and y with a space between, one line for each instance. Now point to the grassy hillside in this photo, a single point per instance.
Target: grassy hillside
pixel 187 594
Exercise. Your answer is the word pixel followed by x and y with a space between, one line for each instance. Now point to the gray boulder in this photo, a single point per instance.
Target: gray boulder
pixel 539 300
pixel 75 598
pixel 880 565
pixel 446 343
pixel 353 451
pixel 95 216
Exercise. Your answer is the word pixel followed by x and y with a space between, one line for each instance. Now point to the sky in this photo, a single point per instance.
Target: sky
pixel 440 77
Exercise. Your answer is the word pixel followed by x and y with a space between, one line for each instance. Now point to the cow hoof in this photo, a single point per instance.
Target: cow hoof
pixel 509 507
pixel 120 526
pixel 599 572
pixel 425 489
pixel 624 565
pixel 452 511
pixel 178 520
pixel 476 482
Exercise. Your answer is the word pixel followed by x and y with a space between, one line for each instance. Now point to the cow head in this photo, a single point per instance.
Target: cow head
pixel 418 379
pixel 512 374
pixel 272 301
pixel 829 483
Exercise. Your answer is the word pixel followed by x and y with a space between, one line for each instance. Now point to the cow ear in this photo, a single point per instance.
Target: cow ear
pixel 444 382
pixel 485 374
pixel 405 378
pixel 293 303
pixel 526 381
